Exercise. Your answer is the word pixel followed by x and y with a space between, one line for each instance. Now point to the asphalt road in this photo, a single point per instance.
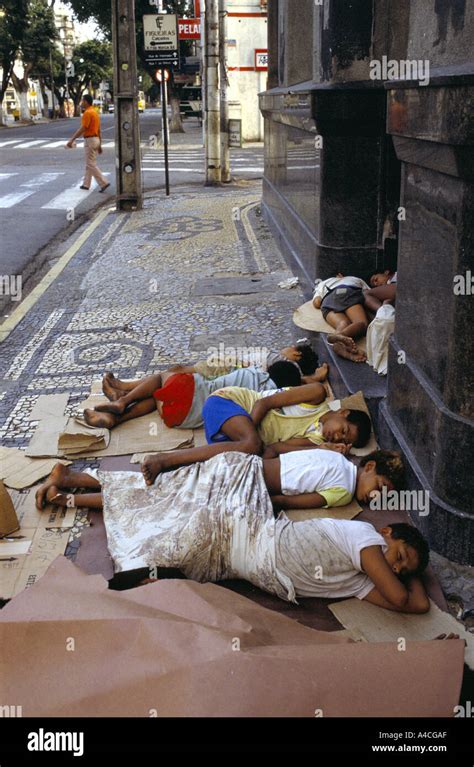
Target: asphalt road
pixel 40 179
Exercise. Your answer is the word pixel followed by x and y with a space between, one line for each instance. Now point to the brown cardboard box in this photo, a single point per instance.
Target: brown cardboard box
pixel 8 518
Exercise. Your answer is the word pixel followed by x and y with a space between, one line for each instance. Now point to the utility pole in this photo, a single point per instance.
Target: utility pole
pixel 224 83
pixel 212 107
pixel 127 131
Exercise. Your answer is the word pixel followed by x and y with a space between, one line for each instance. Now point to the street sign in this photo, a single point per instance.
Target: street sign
pixel 189 29
pixel 70 69
pixel 160 36
pixel 159 75
pixel 261 59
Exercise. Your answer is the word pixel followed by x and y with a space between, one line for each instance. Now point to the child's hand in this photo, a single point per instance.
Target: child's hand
pixel 291 354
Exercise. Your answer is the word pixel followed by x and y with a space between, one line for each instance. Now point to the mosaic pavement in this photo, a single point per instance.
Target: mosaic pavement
pixel 127 301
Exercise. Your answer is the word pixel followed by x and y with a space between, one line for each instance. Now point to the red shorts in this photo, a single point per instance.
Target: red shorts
pixel 177 397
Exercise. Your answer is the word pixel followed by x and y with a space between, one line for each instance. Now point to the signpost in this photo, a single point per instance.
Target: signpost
pixel 161 50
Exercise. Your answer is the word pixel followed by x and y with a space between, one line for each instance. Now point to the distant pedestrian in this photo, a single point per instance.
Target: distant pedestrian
pixel 90 129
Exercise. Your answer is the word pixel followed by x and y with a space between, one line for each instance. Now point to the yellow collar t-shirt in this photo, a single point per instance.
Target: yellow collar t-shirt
pixel 283 423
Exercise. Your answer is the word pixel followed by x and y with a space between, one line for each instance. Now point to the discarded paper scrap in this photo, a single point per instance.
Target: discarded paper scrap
pixel 19 470
pixel 171 646
pixel 45 536
pixel 374 624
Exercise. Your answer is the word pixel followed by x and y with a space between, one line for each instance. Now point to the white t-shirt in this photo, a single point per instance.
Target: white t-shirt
pixel 318 471
pixel 322 556
pixel 323 287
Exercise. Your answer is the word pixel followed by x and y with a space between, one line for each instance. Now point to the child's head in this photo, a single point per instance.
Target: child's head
pixel 284 374
pixel 382 468
pixel 308 362
pixel 352 427
pixel 379 278
pixel 408 552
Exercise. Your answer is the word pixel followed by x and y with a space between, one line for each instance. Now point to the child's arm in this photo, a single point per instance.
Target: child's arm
pixel 301 501
pixel 312 394
pixel 317 302
pixel 389 591
pixel 301 443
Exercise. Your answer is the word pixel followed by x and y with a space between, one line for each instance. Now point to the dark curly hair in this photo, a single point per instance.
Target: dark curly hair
pixel 364 426
pixel 284 373
pixel 308 361
pixel 412 537
pixel 389 464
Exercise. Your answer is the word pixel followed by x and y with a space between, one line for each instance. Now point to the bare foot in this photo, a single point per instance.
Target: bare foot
pixel 100 420
pixel 110 387
pixel 151 466
pixel 349 342
pixel 56 479
pixel 117 408
pixel 348 354
pixel 55 497
pixel 319 375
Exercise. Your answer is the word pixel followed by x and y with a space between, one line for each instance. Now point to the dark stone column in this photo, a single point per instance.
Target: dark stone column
pixel 430 406
pixel 272 10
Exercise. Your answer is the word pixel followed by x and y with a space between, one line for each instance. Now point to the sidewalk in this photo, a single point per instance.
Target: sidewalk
pixel 148 289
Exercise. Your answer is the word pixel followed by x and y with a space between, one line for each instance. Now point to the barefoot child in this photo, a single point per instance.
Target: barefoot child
pixel 246 421
pixel 345 302
pixel 179 394
pixel 215 521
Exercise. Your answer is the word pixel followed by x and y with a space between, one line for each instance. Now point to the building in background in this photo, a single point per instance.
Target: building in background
pixel 247 63
pixel 361 170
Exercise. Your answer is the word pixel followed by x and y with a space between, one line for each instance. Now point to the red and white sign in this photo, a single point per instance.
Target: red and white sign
pixel 261 59
pixel 189 29
pixel 159 76
pixel 197 7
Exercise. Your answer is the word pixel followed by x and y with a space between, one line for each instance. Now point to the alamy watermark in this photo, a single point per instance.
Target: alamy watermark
pixel 11 285
pixel 463 284
pixel 404 69
pixel 235 356
pixel 401 500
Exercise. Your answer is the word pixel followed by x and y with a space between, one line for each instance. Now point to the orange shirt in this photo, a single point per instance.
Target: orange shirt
pixel 91 122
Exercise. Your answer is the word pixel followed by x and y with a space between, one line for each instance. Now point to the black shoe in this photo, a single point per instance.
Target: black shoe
pixel 104 188
pixel 84 187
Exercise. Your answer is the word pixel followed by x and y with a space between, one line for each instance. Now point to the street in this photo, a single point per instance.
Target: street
pixel 40 179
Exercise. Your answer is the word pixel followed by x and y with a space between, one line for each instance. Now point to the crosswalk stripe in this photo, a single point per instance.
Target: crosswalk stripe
pixel 43 178
pixel 70 198
pixel 54 144
pixel 10 141
pixel 4 176
pixel 9 200
pixel 27 144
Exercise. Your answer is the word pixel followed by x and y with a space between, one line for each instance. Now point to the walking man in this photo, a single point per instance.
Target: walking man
pixel 90 129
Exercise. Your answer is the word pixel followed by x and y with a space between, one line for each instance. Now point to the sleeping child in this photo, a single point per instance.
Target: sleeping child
pixel 347 304
pixel 215 521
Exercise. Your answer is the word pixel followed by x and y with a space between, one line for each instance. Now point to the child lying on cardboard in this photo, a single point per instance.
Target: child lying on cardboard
pixel 215 521
pixel 179 393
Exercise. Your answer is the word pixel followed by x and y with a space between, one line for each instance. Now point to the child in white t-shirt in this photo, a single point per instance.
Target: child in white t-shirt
pixel 341 300
pixel 320 478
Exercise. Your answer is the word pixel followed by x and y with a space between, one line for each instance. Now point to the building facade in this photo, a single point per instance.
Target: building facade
pixel 369 164
pixel 246 41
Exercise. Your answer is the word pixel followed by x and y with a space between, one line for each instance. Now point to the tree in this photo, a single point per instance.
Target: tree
pixel 12 29
pixel 39 35
pixel 92 62
pixel 101 11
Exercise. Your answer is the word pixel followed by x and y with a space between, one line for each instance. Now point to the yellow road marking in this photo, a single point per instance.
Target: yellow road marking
pixel 20 312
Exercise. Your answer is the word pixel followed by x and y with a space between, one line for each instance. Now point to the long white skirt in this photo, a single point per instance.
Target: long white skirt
pixel 212 520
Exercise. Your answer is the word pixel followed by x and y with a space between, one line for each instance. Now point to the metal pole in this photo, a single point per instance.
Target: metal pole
pixel 51 74
pixel 127 130
pixel 213 144
pixel 164 107
pixel 224 83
